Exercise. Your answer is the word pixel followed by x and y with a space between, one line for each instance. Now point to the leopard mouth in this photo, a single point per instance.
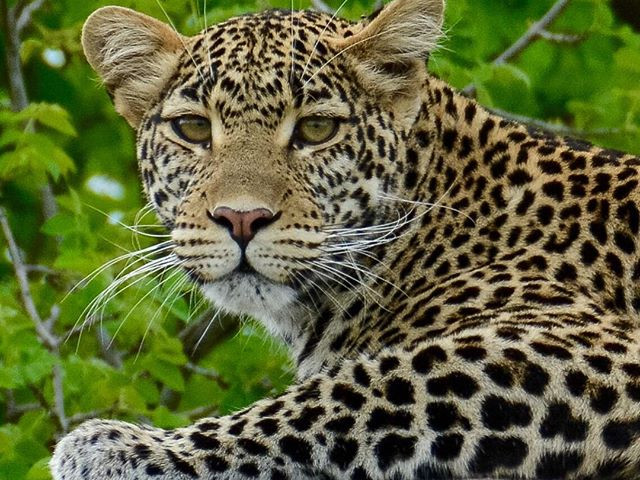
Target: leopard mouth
pixel 250 293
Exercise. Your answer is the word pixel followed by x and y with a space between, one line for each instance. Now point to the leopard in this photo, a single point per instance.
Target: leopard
pixel 459 291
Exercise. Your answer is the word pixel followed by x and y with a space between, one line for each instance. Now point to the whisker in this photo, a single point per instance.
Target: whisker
pixel 204 333
pixel 172 293
pixel 315 45
pixel 195 64
pixel 142 254
pixel 346 49
pixel 426 204
pixel 129 227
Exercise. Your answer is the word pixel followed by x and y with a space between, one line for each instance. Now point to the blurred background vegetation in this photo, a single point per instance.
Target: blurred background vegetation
pixel 69 188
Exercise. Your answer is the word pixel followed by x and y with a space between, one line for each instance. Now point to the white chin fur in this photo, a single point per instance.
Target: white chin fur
pixel 249 294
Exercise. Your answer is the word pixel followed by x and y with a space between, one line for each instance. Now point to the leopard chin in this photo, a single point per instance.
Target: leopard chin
pixel 252 294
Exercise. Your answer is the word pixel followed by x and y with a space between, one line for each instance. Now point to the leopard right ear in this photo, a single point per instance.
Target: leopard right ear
pixel 134 54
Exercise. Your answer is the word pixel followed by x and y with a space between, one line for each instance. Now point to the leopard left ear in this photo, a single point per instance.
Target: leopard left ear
pixel 392 46
pixel 134 54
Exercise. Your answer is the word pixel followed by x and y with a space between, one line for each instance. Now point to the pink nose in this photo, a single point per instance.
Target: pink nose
pixel 242 225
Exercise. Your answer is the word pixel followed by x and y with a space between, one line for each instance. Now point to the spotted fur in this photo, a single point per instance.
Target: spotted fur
pixel 460 292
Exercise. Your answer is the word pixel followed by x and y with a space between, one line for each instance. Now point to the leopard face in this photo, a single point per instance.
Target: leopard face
pixel 495 336
pixel 257 148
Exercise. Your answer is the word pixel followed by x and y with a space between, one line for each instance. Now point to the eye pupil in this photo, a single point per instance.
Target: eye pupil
pixel 192 128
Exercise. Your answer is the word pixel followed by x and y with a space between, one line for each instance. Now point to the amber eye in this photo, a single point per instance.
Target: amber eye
pixel 315 130
pixel 192 128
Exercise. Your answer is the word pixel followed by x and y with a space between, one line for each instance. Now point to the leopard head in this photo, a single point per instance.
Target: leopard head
pixel 264 140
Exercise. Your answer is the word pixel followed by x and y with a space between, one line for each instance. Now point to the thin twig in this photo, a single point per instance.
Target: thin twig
pixel 21 275
pixel 199 412
pixel 559 128
pixel 208 373
pixel 111 354
pixel 525 40
pixel 43 328
pixel 26 14
pixel 321 6
pixel 560 37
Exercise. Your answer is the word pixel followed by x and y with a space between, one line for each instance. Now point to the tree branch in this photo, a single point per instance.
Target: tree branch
pixel 23 282
pixel 559 128
pixel 525 40
pixel 26 14
pixel 560 37
pixel 321 6
pixel 44 329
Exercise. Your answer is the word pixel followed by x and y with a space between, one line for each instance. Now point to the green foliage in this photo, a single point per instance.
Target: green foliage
pixel 139 362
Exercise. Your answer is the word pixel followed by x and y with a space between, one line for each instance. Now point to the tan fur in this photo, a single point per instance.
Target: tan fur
pixel 133 54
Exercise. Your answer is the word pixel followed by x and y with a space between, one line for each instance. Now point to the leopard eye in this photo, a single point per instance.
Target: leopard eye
pixel 192 128
pixel 316 130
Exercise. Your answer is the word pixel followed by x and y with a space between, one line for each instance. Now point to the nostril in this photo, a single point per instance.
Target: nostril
pixel 263 218
pixel 220 219
pixel 242 225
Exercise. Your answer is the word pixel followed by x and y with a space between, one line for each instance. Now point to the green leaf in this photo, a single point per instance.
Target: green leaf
pixel 40 470
pixel 166 372
pixel 50 115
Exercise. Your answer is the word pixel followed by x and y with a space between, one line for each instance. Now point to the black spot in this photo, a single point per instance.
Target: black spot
pixel 181 465
pixel 499 374
pixel 554 189
pixel 632 369
pixel 458 383
pixel 249 469
pixel 297 449
pixel 141 450
pixel 449 137
pixel 618 435
pixel 216 463
pixel 307 417
pixel 252 447
pixel 624 242
pixel 560 421
pixel 361 376
pixel 550 350
pixel 236 428
pixel 442 415
pixel 527 200
pixel 203 442
pixel 588 253
pixel 535 379
pixel 344 394
pixel 381 418
pixel 603 398
pixel 599 232
pixel 340 425
pixel 394 448
pixel 471 353
pixel 550 167
pixel 500 414
pixel 400 391
pixel 486 128
pixel 566 272
pixel 623 191
pixel 153 470
pixel 447 447
pixel 610 469
pixel 599 363
pixel 576 382
pixel 465 295
pixel 388 364
pixel 556 465
pixel 495 452
pixel 343 452
pixel 423 360
pixel 269 426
